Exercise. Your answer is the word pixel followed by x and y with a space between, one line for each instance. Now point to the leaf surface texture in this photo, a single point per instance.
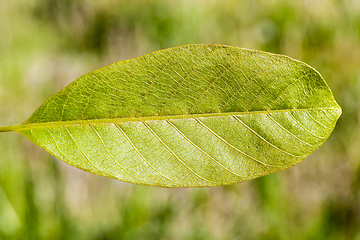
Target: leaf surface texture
pixel 188 116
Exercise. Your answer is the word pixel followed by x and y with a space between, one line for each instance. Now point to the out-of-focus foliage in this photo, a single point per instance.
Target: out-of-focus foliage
pixel 42 198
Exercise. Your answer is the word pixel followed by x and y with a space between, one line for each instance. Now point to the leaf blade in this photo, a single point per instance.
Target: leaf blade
pixel 194 115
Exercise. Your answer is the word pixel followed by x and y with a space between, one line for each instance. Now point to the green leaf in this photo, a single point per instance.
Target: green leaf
pixel 188 116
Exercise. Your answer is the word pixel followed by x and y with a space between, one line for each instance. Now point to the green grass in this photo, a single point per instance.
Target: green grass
pixel 44 45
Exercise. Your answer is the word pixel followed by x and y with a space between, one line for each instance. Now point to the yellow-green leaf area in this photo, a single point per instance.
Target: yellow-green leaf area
pixel 188 116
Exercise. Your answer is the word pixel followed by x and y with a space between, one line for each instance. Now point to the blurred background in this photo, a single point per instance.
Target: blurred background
pixel 46 44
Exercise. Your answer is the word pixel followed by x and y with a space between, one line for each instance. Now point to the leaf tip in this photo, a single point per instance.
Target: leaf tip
pixel 338 112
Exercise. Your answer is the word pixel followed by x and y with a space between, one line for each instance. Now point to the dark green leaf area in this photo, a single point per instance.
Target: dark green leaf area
pixel 191 79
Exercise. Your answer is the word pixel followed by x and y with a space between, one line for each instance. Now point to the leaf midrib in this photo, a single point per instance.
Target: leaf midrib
pixel 151 118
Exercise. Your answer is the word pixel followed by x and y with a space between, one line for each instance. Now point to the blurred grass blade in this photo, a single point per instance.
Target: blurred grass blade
pixel 189 116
